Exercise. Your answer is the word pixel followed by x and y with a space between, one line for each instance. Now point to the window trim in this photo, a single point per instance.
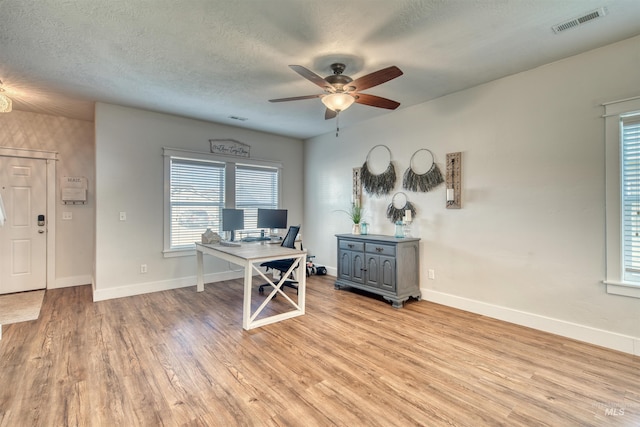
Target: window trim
pixel 230 191
pixel 614 263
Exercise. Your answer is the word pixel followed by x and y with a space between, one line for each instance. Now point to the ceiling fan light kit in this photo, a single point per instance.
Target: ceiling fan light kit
pixel 338 101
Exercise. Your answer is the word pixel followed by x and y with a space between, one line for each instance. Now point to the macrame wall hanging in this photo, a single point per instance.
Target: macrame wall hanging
pixel 378 184
pixel 426 181
pixel 398 208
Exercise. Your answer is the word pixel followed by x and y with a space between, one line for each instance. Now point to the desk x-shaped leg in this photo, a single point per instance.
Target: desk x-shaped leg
pixel 249 319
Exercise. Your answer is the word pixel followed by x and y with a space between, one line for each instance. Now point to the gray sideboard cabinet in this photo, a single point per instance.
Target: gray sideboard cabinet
pixel 384 265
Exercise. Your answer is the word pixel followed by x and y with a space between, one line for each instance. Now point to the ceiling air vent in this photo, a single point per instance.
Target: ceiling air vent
pixel 587 17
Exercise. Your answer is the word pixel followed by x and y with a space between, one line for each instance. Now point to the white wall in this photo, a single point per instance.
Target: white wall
pixel 74 142
pixel 129 178
pixel 528 244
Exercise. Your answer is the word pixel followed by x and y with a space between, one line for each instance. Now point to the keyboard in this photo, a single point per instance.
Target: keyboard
pixel 230 244
pixel 256 239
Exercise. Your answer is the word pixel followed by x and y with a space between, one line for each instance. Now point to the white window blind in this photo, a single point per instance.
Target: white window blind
pixel 196 200
pixel 197 186
pixel 256 187
pixel 630 140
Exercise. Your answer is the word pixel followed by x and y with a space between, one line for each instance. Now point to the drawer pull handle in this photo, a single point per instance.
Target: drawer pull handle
pixel 350 246
pixel 379 249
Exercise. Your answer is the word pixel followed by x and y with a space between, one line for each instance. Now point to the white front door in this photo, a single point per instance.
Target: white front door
pixel 23 237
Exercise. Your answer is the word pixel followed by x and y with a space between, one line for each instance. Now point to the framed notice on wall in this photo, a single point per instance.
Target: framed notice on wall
pixel 73 190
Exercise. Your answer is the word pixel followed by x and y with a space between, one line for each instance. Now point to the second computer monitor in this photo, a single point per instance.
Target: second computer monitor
pixel 232 220
pixel 272 218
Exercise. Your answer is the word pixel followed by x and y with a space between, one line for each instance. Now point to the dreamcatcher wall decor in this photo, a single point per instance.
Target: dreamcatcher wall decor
pixel 378 184
pixel 422 182
pixel 399 208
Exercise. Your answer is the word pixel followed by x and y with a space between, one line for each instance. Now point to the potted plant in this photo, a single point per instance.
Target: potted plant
pixel 355 214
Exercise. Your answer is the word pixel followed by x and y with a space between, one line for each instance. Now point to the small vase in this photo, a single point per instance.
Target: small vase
pixel 399 230
pixel 355 229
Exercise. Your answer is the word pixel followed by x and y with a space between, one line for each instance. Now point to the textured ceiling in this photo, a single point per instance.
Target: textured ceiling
pixel 210 60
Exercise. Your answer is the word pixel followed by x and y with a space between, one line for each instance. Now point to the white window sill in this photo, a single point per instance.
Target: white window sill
pixel 172 253
pixel 623 288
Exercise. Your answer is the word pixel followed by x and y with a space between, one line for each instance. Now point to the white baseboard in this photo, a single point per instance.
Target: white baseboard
pixel 163 285
pixel 67 282
pixel 612 340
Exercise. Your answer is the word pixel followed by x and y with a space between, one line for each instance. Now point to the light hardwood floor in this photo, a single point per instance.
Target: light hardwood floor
pixel 179 358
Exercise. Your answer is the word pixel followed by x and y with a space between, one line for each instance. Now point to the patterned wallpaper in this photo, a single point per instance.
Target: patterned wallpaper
pixel 74 142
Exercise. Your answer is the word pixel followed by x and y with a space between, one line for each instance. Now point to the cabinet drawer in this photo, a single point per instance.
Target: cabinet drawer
pixel 351 245
pixel 379 249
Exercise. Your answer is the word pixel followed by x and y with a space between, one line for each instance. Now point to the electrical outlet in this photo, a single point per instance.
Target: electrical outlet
pixel 432 274
pixel 143 268
pixel 123 216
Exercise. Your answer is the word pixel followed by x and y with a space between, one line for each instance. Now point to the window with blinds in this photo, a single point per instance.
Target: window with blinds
pixel 630 140
pixel 199 185
pixel 196 200
pixel 256 187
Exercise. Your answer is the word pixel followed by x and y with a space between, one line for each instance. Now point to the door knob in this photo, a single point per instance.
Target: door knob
pixel 40 231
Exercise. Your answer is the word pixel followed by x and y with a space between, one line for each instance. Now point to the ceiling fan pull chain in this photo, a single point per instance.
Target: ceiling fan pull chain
pixel 337 124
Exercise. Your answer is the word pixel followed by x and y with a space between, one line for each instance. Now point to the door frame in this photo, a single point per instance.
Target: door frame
pixel 51 158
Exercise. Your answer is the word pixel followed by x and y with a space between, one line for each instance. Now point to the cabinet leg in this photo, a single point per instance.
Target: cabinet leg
pixel 395 303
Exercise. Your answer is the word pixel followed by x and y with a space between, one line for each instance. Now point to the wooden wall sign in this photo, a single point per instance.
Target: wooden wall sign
pixel 230 147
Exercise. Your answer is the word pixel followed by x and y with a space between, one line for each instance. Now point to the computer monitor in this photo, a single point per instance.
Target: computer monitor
pixel 272 218
pixel 232 220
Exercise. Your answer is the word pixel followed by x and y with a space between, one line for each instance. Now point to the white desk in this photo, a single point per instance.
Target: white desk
pixel 250 256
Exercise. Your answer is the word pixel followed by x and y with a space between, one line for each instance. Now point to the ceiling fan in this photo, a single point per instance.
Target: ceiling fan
pixel 340 91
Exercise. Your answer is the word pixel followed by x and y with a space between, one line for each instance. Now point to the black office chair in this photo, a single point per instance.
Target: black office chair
pixel 283 265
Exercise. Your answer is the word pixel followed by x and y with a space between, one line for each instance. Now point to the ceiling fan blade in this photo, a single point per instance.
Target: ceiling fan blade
pixel 295 98
pixel 329 114
pixel 376 101
pixel 376 78
pixel 311 76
